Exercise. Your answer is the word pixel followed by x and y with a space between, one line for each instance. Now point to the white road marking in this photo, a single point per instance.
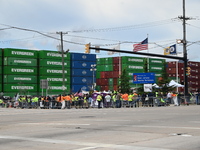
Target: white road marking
pixel 49 123
pixel 86 148
pixel 87 144
pixel 193 128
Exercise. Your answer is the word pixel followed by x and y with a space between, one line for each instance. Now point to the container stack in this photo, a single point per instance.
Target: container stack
pixel 156 66
pixel 19 72
pixel 193 78
pixel 133 65
pixel 107 73
pixel 175 69
pixel 109 70
pixel 82 75
pixel 51 69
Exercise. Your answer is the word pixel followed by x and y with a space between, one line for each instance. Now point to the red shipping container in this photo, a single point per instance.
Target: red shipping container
pixel 115 87
pixel 171 65
pixel 104 88
pixel 98 81
pixel 116 67
pixel 104 74
pixel 102 81
pixel 110 74
pixel 115 81
pixel 116 60
pixel 115 74
pixel 193 64
pixel 171 70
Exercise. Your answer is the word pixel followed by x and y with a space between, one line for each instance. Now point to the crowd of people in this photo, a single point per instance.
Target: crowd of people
pixel 99 100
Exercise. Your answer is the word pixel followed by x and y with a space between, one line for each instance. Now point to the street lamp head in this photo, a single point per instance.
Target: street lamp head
pixel 179 41
pixel 93 65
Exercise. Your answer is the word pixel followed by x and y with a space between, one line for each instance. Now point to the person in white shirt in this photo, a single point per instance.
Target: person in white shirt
pixel 169 97
pixel 107 100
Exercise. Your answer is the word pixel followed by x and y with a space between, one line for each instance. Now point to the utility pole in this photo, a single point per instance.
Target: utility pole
pixel 63 62
pixel 185 49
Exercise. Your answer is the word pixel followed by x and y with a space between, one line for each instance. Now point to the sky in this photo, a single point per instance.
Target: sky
pixel 35 25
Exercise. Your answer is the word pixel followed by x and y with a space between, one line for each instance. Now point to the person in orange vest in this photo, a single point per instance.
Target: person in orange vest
pixel 68 99
pixel 60 100
pixel 124 99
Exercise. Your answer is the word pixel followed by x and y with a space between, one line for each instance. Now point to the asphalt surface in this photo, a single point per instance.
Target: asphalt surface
pixel 143 128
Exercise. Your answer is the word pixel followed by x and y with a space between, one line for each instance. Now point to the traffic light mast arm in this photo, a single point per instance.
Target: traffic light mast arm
pixel 137 53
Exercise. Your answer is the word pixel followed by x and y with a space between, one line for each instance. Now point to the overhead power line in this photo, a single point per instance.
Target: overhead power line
pixel 130 27
pixel 30 30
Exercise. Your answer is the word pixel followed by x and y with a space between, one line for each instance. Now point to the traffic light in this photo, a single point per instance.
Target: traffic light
pixel 188 71
pixel 87 48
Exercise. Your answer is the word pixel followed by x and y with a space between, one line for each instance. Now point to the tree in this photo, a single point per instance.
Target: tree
pixel 124 86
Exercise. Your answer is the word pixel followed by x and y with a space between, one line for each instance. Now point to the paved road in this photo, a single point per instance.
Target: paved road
pixel 149 128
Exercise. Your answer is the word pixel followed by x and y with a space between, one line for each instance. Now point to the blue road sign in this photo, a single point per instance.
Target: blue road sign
pixel 143 78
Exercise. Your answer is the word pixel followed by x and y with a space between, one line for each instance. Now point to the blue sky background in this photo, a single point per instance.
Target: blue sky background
pixel 125 21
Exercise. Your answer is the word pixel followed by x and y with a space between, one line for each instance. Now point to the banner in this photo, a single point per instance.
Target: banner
pixel 171 50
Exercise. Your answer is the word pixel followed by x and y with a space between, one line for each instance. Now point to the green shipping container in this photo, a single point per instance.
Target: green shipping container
pixel 53 71
pixel 108 67
pixel 12 94
pixel 156 61
pixel 19 79
pixel 100 61
pixel 110 81
pixel 55 79
pixel 98 88
pixel 98 74
pixel 9 52
pixel 20 87
pixel 0 70
pixel 56 88
pixel 43 54
pixel 1 52
pixel 110 87
pixel 108 60
pixel 136 68
pixel 15 70
pixel 156 68
pixel 100 68
pixel 132 60
pixel 13 61
pixel 53 63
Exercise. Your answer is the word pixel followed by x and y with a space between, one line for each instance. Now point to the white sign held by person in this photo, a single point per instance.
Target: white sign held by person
pixel 147 87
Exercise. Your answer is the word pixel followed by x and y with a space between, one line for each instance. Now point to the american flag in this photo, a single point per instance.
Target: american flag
pixel 141 46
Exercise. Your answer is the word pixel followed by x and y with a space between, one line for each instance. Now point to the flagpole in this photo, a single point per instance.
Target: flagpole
pixel 148 52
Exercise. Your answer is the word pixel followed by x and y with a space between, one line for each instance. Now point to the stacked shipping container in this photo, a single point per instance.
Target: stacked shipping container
pixel 109 70
pixel 133 65
pixel 19 71
pixel 175 69
pixel 81 75
pixel 156 66
pixel 50 69
pixel 22 70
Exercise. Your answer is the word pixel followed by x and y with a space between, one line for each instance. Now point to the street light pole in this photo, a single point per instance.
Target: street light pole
pixel 93 69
